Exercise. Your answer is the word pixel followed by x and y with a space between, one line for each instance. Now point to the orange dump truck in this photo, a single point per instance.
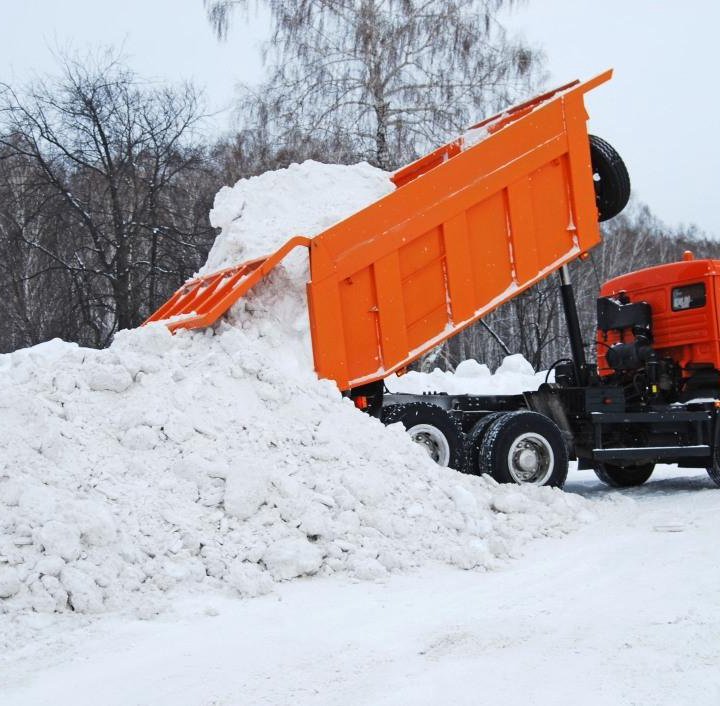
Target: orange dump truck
pixel 468 227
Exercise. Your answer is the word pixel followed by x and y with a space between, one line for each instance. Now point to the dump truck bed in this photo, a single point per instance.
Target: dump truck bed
pixel 469 226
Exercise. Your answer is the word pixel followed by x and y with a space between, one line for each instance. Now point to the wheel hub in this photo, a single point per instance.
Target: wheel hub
pixel 530 459
pixel 433 441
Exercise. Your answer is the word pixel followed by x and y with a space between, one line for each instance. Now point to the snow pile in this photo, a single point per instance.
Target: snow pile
pixel 474 136
pixel 259 214
pixel 514 375
pixel 217 460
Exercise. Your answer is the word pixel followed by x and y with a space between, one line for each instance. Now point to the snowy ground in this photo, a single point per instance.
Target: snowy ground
pixel 623 611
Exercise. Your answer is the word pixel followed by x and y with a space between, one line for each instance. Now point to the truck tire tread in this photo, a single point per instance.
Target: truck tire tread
pixel 473 443
pixel 612 181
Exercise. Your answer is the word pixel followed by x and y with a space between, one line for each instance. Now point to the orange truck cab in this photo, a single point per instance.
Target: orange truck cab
pixel 683 304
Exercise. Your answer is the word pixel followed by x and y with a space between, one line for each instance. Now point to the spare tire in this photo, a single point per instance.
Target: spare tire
pixel 433 428
pixel 612 181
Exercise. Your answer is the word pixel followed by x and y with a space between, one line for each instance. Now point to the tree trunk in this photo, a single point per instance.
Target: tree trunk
pixel 382 154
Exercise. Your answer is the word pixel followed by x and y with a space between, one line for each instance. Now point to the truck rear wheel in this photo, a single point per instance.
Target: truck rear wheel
pixel 431 427
pixel 525 448
pixel 623 477
pixel 612 181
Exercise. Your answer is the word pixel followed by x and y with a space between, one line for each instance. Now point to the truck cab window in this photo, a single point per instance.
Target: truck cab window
pixel 691 296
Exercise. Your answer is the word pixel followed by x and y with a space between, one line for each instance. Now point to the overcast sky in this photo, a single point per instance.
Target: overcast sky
pixel 659 111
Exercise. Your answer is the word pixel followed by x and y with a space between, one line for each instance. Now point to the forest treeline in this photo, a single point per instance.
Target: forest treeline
pixel 106 179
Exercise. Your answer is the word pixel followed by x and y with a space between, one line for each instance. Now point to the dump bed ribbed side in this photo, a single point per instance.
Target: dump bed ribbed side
pixel 461 236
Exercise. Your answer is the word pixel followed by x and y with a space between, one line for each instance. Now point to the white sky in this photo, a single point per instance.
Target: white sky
pixel 658 111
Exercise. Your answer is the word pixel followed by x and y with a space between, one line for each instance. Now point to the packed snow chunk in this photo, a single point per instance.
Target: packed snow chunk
pixel 515 364
pixel 259 214
pixel 291 557
pixel 140 438
pixel 112 378
pixel 246 490
pixel 472 555
pixel 49 566
pixel 472 369
pixel 249 579
pixel 84 594
pixel 49 352
pixel 464 501
pixel 511 502
pixel 59 539
pixel 10 582
pixel 96 524
pixel 474 136
pixel 10 492
pixel 367 569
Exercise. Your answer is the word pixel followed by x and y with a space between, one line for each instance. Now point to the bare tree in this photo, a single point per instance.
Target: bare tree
pixel 31 284
pixel 111 158
pixel 252 151
pixel 395 75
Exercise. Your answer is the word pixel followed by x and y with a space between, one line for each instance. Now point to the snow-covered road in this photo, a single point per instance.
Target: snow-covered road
pixel 624 611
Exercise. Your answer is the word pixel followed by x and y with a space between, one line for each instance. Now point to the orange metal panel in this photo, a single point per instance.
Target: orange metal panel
pixel 434 321
pixel 201 301
pixel 581 190
pixel 420 252
pixel 358 311
pixel 326 315
pixel 490 247
pixel 526 258
pixel 459 265
pixel 556 214
pixel 424 289
pixel 390 309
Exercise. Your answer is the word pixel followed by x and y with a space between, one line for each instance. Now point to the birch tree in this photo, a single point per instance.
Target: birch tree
pixel 390 77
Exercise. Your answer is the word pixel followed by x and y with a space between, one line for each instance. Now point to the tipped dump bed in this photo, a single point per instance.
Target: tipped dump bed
pixel 468 227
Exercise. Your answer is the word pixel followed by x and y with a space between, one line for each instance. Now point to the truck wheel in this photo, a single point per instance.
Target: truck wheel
pixel 524 447
pixel 431 427
pixel 473 443
pixel 623 477
pixel 612 181
pixel 714 468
